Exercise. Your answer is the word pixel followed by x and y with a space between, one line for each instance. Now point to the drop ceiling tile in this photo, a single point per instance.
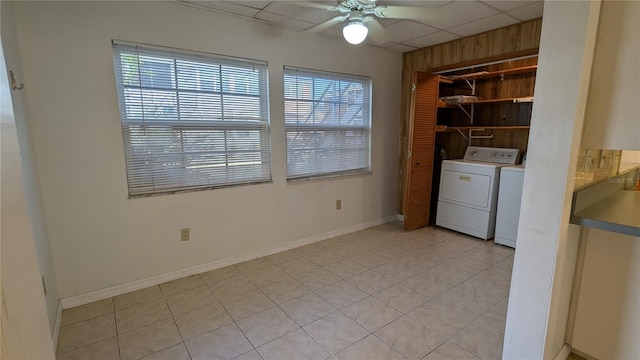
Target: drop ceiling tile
pixel 482 25
pixel 289 9
pixel 228 7
pixel 429 3
pixel 432 39
pixel 406 30
pixel 458 13
pixel 254 4
pixel 333 31
pixel 283 20
pixel 387 22
pixel 508 4
pixel 370 41
pixel 400 47
pixel 528 12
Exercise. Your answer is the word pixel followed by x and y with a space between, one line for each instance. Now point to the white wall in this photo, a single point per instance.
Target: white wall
pixel 632 157
pixel 629 160
pixel 559 307
pixel 607 324
pixel 613 120
pixel 99 237
pixel 31 177
pixel 538 301
pixel 25 329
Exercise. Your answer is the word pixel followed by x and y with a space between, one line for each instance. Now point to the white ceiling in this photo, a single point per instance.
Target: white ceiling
pixel 455 19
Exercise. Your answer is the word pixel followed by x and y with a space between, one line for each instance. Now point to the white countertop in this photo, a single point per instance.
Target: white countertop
pixel 608 206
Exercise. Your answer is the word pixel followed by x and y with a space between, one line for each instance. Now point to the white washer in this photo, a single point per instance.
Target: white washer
pixel 468 194
pixel 509 200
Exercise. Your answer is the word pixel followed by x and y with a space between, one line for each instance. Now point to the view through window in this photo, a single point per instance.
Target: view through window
pixel 328 123
pixel 191 120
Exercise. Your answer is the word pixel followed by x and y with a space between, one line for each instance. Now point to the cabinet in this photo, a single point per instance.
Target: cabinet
pixel 494 109
pixel 607 300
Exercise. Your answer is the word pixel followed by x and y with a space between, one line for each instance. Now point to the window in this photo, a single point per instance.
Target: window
pixel 191 120
pixel 328 123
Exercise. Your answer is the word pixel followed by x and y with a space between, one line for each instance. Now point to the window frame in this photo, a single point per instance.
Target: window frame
pixel 366 127
pixel 190 170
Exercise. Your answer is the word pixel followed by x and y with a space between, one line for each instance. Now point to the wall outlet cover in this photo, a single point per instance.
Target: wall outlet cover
pixel 185 234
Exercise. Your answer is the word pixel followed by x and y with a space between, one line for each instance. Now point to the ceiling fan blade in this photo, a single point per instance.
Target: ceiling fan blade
pixel 408 12
pixel 327 24
pixel 376 31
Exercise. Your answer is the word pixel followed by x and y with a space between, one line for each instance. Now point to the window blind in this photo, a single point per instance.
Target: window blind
pixel 327 122
pixel 191 120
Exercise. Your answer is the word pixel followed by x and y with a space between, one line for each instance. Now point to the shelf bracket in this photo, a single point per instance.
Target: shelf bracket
pixel 463 135
pixel 465 111
pixel 468 113
pixel 472 86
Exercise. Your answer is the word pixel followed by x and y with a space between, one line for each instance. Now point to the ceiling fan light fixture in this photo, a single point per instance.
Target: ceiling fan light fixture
pixel 355 32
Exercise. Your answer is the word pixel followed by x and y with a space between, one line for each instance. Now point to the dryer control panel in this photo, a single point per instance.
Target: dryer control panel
pixel 492 155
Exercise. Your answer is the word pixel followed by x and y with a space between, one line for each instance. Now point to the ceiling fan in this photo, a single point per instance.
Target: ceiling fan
pixel 361 12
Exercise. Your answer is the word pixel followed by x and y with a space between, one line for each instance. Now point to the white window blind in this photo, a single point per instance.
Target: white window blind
pixel 191 120
pixel 328 123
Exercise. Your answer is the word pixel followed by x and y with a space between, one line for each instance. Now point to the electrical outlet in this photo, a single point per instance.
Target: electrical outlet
pixel 185 234
pixel 588 163
pixel 603 161
pixel 338 204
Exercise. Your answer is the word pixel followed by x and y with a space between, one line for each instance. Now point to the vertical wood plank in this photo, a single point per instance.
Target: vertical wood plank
pixel 517 37
pixel 422 143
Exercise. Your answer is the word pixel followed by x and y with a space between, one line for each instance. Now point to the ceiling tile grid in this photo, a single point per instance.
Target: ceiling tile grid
pixel 283 20
pixel 482 25
pixel 432 39
pixel 527 12
pixel 447 20
pixel 461 12
pixel 407 29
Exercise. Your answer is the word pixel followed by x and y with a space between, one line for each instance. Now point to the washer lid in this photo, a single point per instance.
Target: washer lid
pixel 515 169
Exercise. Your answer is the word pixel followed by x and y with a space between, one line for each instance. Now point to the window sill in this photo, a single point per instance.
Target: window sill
pixel 330 176
pixel 184 191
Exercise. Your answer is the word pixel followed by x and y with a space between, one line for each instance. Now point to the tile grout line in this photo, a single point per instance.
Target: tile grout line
pixel 88 319
pixel 466 326
pixel 175 322
pixel 350 243
pixel 390 345
pixel 238 326
pixel 115 320
pixel 155 322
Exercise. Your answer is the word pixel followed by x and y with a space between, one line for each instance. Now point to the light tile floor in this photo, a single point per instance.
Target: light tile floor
pixel 379 293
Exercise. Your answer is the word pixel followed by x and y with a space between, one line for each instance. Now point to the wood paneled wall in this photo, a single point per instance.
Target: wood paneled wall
pixel 510 39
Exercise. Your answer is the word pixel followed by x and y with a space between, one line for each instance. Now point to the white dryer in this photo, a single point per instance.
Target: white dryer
pixel 468 194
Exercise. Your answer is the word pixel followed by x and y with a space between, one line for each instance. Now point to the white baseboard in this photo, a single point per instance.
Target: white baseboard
pixel 563 353
pixel 400 217
pixel 56 326
pixel 106 293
